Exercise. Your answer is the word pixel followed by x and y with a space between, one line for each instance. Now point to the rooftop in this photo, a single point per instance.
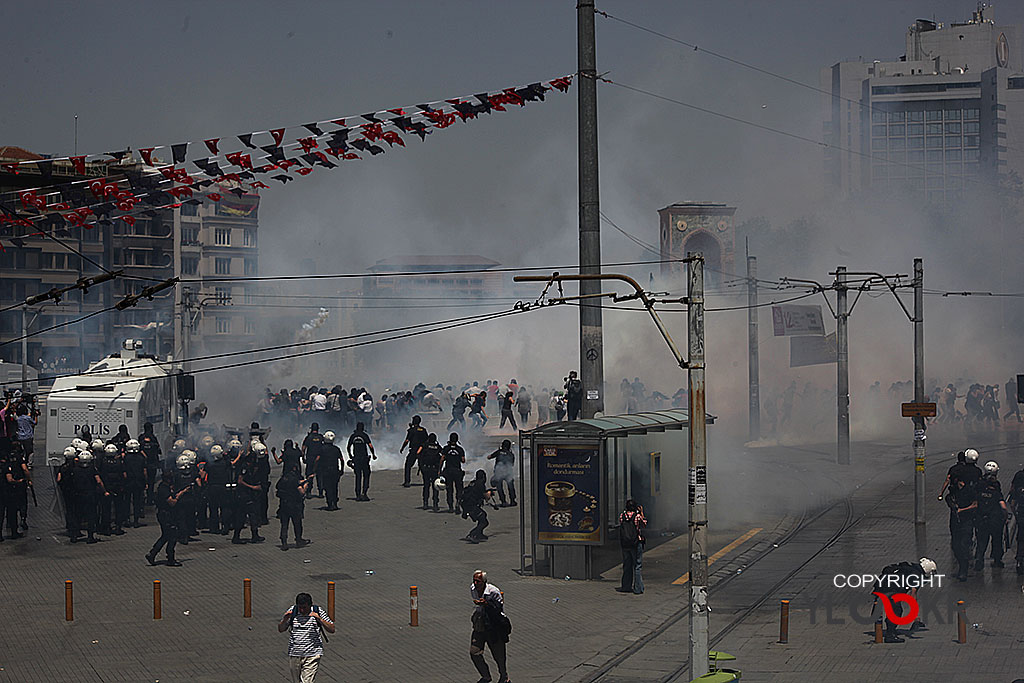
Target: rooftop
pixel 12 153
pixel 432 262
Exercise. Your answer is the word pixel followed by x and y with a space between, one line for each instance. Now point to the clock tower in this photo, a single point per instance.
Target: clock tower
pixel 698 226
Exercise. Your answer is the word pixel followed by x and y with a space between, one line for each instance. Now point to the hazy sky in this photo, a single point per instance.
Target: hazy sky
pixel 143 74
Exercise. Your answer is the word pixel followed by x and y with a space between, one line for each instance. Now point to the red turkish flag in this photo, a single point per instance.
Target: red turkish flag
pixel 214 196
pixel 79 164
pixel 147 155
pixel 278 135
pixel 212 145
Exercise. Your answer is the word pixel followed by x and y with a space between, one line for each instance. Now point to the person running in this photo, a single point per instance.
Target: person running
pixel 307 623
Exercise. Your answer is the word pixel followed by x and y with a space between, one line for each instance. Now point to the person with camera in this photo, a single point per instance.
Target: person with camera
pixel 307 623
pixel 166 500
pixel 490 627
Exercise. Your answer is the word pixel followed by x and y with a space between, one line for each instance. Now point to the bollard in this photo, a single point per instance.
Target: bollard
pixel 414 606
pixel 961 623
pixel 784 621
pixel 330 600
pixel 247 597
pixel 69 602
pixel 157 602
pixel 878 631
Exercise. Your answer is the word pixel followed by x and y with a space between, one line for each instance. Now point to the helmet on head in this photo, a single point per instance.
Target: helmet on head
pixel 110 449
pixel 70 453
pixel 440 484
pixel 85 457
pixel 506 443
pixel 991 467
pixel 216 450
pixel 182 462
pixel 415 419
pixel 191 457
pixel 97 444
pixel 78 444
pixel 453 438
pixel 132 446
pixel 179 445
pixel 329 435
pixel 928 566
pixel 234 444
pixel 971 455
pixel 259 448
pixel 206 441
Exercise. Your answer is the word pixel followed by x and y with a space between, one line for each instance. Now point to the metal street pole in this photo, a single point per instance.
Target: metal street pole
pixel 842 371
pixel 591 334
pixel 753 371
pixel 698 484
pixel 919 396
pixel 24 349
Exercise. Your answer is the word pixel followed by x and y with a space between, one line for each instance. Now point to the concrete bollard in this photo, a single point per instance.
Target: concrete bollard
pixel 784 621
pixel 157 601
pixel 69 602
pixel 961 623
pixel 330 600
pixel 247 598
pixel 414 606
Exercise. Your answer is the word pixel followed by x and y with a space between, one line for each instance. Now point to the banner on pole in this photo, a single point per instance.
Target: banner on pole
pixel 797 321
pixel 812 350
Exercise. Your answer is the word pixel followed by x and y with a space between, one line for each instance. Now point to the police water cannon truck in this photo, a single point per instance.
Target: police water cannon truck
pixel 128 388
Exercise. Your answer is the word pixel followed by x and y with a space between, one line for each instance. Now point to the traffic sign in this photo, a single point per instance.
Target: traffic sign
pixel 918 409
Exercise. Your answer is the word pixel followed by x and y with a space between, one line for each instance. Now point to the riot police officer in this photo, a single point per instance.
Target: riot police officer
pixel 249 491
pixel 218 475
pixel 151 449
pixel 112 507
pixel 64 473
pixel 310 450
pixel 186 477
pixel 329 466
pixel 360 450
pixel 504 466
pixel 167 499
pixel 991 517
pixel 262 454
pixel 415 437
pixel 87 488
pixel 135 481
pixel 451 469
pixel 966 508
pixel 429 456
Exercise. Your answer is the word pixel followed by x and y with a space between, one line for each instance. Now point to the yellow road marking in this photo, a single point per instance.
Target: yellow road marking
pixel 685 578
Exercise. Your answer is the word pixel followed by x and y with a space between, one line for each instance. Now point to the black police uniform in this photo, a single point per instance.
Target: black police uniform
pixel 112 507
pixel 990 522
pixel 84 501
pixel 219 474
pixel 168 519
pixel 15 493
pixel 430 469
pixel 329 467
pixel 248 495
pixel 472 504
pixel 963 530
pixel 416 436
pixel 291 506
pixel 263 495
pixel 135 485
pixel 504 466
pixel 151 448
pixel 311 445
pixel 64 486
pixel 453 474
pixel 903 570
pixel 359 448
pixel 185 509
pixel 574 397
pixel 967 472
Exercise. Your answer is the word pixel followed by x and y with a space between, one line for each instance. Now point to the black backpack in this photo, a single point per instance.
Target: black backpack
pixel 629 534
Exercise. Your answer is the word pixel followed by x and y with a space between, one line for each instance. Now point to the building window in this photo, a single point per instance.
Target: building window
pixel 189 265
pixel 952 155
pixel 223 295
pixel 915 128
pixel 877 116
pixel 934 129
pixel 915 143
pixel 189 209
pixel 250 298
pixel 897 116
pixel 953 128
pixel 249 238
pixel 971 114
pixel 897 143
pixel 250 326
pixel 878 130
pixel 222 237
pixel 971 127
pixel 971 154
pixel 223 325
pixel 915 116
pixel 222 266
pixel 952 141
pixel 971 168
pixel 933 115
pixel 878 144
pixel 915 157
pixel 953 114
pixel 250 266
pixel 934 142
pixel 898 156
pixel 897 129
pixel 189 235
pixel 970 141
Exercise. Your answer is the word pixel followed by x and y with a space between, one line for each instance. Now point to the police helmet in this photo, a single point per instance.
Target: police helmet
pixel 85 457
pixel 453 438
pixel 179 445
pixel 110 449
pixel 991 467
pixel 440 484
pixel 971 455
pixel 506 443
pixel 78 444
pixel 132 446
pixel 234 444
pixel 190 457
pixel 928 566
pixel 259 448
pixel 329 436
pixel 216 450
pixel 70 453
pixel 182 462
pixel 206 441
pixel 97 444
pixel 415 420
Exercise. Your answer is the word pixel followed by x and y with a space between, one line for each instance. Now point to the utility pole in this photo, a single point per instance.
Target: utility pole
pixel 753 369
pixel 842 371
pixel 108 293
pixel 24 349
pixel 591 334
pixel 698 485
pixel 919 396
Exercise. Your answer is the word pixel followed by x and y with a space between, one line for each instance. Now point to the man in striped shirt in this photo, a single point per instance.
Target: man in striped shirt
pixel 306 643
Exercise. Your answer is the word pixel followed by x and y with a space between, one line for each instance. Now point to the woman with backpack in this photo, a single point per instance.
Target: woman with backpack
pixel 631 537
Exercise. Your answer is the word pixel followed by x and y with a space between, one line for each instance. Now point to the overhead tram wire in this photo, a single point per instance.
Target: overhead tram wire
pixel 54 327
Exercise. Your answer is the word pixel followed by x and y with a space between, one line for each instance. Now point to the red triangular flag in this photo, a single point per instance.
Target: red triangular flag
pixel 214 196
pixel 147 155
pixel 212 145
pixel 278 134
pixel 130 220
pixel 79 164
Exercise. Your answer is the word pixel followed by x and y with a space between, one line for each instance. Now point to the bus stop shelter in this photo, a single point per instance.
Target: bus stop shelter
pixel 578 475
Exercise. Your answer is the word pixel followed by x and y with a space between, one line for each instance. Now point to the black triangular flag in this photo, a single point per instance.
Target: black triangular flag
pixel 17 241
pixel 193 201
pixel 283 178
pixel 484 102
pixel 532 92
pixel 371 117
pixel 45 167
pixel 275 153
pixel 313 128
pixel 179 151
pixel 119 155
pixel 338 138
pixel 247 140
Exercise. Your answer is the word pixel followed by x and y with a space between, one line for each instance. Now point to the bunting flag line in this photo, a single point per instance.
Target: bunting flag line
pixel 164 185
